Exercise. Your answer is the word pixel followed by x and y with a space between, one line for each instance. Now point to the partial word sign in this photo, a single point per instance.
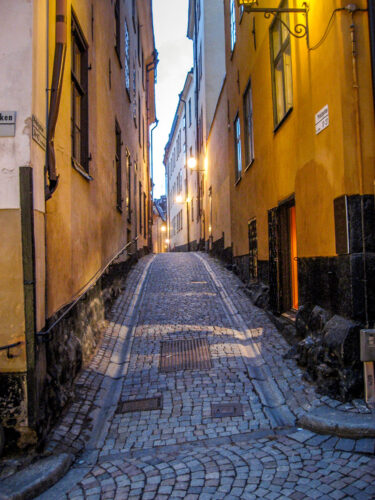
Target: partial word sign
pixel 321 119
pixel 7 123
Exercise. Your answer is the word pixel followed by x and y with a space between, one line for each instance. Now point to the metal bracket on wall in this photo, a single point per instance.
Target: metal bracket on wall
pixel 8 347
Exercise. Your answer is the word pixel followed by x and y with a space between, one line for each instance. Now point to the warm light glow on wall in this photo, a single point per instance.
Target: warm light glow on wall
pixel 192 162
pixel 206 163
pixel 178 198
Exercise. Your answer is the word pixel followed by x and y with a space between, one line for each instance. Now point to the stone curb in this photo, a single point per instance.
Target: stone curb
pixel 36 478
pixel 325 420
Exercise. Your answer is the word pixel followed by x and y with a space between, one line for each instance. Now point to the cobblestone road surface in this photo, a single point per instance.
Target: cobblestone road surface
pixel 180 450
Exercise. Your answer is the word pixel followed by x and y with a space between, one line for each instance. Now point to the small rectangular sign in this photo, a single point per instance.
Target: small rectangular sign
pixel 7 117
pixel 39 133
pixel 7 123
pixel 321 119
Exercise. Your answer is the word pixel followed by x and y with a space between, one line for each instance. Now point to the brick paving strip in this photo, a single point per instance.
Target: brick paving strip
pixel 179 450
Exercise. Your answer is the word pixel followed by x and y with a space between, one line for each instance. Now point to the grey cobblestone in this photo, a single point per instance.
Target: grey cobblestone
pixel 180 451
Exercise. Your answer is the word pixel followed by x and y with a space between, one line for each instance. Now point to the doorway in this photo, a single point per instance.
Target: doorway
pixel 283 261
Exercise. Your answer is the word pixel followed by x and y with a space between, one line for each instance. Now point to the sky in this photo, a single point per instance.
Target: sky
pixel 175 60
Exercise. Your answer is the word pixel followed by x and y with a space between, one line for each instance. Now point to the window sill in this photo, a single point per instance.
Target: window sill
pixel 81 170
pixel 283 119
pixel 238 181
pixel 250 165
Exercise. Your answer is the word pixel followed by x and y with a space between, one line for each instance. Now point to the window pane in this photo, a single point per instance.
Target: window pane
pixel 288 78
pixel 284 31
pixel 276 39
pixel 279 90
pixel 77 144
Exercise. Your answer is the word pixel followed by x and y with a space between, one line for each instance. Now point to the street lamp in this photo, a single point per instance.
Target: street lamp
pixel 300 30
pixel 179 199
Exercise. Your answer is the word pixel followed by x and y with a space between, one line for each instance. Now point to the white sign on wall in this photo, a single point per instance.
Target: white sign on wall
pixel 321 119
pixel 7 123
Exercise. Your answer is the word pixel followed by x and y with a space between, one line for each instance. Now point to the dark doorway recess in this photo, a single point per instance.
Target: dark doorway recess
pixel 283 263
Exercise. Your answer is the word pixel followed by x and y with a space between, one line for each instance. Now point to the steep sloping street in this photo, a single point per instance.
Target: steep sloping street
pixel 185 340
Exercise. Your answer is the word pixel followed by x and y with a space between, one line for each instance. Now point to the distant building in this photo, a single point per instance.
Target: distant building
pixel 182 181
pixel 74 185
pixel 159 225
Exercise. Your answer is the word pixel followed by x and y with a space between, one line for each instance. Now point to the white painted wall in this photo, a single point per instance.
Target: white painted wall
pixel 16 49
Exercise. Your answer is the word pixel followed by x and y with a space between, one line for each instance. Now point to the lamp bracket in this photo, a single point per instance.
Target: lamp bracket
pixel 299 31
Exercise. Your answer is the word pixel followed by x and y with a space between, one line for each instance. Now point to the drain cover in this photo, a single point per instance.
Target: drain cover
pixel 187 354
pixel 226 410
pixel 139 405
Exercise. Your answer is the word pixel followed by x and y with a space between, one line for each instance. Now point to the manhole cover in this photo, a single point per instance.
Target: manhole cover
pixel 187 354
pixel 226 410
pixel 139 405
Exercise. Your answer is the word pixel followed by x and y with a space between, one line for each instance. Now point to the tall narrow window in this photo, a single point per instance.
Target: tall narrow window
pixel 249 135
pixel 232 24
pixel 281 67
pixel 118 30
pixel 139 121
pixel 190 112
pixel 118 168
pixel 79 117
pixel 237 146
pixel 128 187
pixel 127 59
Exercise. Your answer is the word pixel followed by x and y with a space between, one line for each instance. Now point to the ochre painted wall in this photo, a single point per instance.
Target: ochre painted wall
pixel 294 160
pixel 12 326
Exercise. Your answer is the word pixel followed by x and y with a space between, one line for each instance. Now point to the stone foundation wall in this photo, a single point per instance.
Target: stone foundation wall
pixel 70 344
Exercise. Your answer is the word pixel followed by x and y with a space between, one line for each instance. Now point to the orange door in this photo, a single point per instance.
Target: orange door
pixel 293 256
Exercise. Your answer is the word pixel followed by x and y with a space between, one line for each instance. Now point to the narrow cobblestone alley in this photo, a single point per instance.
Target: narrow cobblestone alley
pixel 183 449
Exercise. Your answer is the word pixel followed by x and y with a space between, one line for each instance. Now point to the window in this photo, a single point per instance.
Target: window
pixel 79 117
pixel 127 59
pixel 134 94
pixel 118 168
pixel 237 146
pixel 190 112
pixel 128 187
pixel 139 121
pixel 232 24
pixel 134 15
pixel 118 30
pixel 281 67
pixel 249 135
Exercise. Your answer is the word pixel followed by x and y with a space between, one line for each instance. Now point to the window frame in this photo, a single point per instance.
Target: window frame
pixel 248 125
pixel 79 86
pixel 237 148
pixel 233 30
pixel 127 69
pixel 276 25
pixel 117 10
pixel 118 163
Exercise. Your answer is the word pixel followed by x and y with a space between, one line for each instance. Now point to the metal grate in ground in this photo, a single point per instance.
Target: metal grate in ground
pixel 186 354
pixel 139 405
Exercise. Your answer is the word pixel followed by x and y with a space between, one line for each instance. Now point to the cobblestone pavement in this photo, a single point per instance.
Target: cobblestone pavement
pixel 180 450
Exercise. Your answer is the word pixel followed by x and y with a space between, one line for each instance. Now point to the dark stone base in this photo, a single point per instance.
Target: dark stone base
pixel 13 410
pixel 218 250
pixel 329 350
pixel 337 284
pixel 71 343
pixel 192 247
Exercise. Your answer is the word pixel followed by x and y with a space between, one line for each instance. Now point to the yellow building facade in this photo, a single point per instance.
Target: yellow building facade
pixel 300 121
pixel 76 184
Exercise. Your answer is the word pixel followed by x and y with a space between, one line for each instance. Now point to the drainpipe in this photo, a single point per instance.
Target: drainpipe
pixel 353 9
pixel 56 88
